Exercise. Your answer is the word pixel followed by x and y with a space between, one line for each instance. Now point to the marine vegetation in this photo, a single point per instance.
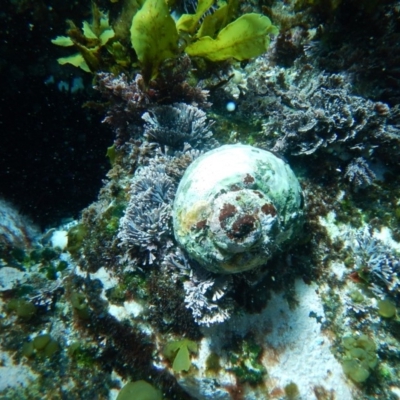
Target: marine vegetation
pixel 360 357
pixel 155 37
pixel 179 352
pixel 139 390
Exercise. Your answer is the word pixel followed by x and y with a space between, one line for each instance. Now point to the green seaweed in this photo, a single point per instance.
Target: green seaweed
pixel 244 38
pixel 189 22
pixel 245 363
pixel 216 21
pixel 112 154
pixel 360 357
pixel 386 308
pixel 154 36
pixel 88 41
pixel 292 391
pixel 41 346
pixel 76 236
pixel 24 309
pixel 81 308
pixel 179 351
pixel 139 390
pixel 40 341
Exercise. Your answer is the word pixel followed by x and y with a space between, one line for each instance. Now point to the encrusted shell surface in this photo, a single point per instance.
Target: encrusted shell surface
pixel 235 207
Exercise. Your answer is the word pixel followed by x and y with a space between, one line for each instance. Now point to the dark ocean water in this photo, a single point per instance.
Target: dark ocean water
pixel 52 151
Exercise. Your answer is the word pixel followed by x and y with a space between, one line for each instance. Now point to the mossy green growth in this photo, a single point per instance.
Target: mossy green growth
pixel 112 216
pixel 246 365
pixel 179 351
pixel 78 301
pixel 212 363
pixel 51 348
pixel 356 296
pixel 76 235
pixel 112 154
pixel 386 308
pixel 292 391
pixel 42 345
pixel 24 309
pixel 117 294
pixel 384 372
pixel 154 36
pixel 360 357
pixel 244 38
pixel 40 341
pixel 83 355
pixel 27 349
pixel 19 254
pixel 139 390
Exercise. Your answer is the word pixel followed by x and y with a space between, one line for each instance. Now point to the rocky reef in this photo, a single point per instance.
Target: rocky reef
pixel 239 251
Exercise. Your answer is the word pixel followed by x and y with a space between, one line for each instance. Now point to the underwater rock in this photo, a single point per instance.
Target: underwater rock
pixel 235 207
pixel 16 230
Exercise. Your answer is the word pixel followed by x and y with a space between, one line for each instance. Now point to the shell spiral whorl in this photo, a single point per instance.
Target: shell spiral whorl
pixel 235 207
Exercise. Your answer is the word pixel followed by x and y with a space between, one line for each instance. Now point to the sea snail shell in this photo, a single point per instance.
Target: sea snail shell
pixel 235 207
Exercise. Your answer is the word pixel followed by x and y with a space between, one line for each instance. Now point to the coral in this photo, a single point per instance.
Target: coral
pixel 177 125
pixel 314 113
pixel 235 207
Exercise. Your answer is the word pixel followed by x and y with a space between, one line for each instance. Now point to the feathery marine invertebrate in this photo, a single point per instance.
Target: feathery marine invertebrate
pixel 146 218
pixel 176 125
pixel 377 261
pixel 205 293
pixel 359 173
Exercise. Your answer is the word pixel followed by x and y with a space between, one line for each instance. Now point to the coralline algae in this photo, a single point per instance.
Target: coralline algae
pixel 235 207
